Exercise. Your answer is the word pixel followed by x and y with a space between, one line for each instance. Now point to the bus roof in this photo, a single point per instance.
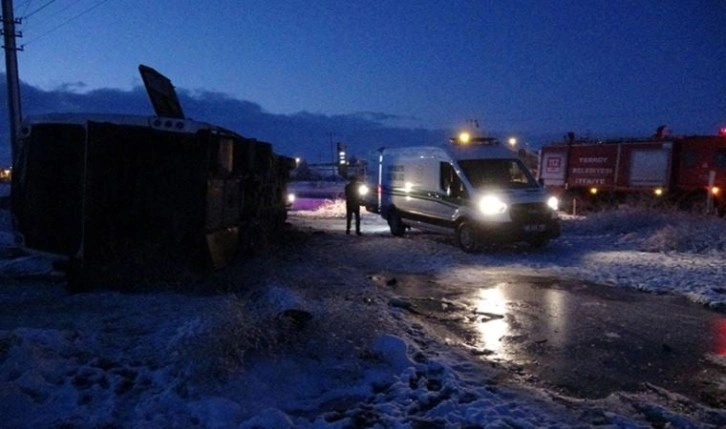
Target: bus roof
pixel 157 122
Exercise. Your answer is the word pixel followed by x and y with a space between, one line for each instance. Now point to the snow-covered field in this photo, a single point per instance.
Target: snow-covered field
pixel 302 336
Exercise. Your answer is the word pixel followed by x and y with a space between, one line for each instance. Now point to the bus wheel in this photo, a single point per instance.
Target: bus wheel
pixel 466 237
pixel 396 224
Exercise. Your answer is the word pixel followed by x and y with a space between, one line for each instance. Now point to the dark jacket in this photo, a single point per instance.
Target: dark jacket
pixel 352 197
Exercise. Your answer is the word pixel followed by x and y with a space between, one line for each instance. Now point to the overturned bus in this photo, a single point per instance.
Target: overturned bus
pixel 115 199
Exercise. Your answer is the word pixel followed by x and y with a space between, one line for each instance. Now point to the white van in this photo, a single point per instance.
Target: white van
pixel 475 188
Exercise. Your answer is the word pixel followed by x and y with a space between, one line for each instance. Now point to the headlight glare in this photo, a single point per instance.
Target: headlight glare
pixel 491 205
pixel 553 203
pixel 363 190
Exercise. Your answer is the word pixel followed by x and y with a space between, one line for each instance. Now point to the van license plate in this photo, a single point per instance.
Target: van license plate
pixel 535 228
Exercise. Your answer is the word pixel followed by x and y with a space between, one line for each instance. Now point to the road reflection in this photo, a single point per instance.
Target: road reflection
pixel 582 339
pixel 498 307
pixel 491 310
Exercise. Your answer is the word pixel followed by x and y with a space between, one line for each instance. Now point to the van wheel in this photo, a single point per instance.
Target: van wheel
pixel 466 237
pixel 396 224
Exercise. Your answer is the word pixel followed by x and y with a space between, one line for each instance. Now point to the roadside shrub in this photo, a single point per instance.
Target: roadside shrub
pixel 622 220
pixel 686 233
pixel 216 346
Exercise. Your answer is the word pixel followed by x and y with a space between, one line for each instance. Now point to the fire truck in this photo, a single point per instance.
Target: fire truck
pixel 687 171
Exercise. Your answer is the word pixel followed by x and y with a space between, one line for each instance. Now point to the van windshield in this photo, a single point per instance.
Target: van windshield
pixel 497 173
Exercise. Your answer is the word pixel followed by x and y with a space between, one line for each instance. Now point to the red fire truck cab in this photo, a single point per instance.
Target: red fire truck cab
pixel 689 171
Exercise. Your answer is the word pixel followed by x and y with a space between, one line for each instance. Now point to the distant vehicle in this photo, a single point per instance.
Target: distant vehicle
pixel 117 199
pixel 689 171
pixel 474 188
pixel 318 189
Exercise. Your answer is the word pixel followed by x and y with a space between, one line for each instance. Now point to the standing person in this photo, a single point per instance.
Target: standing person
pixel 352 204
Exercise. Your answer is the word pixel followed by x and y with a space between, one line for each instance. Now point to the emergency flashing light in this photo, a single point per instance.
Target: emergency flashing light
pixel 722 131
pixel 464 139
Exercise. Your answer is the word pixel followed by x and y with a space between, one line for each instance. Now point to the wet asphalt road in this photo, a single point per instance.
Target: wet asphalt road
pixel 581 339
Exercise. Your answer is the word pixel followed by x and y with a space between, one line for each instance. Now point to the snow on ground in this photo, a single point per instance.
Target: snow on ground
pixel 643 248
pixel 302 338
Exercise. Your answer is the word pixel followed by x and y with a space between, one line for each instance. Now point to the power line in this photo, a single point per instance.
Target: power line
pixel 67 21
pixel 26 5
pixel 48 18
pixel 38 9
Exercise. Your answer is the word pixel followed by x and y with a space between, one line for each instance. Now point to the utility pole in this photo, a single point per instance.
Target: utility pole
pixel 11 73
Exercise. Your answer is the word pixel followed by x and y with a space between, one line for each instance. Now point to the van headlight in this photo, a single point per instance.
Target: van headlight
pixel 491 205
pixel 363 190
pixel 553 203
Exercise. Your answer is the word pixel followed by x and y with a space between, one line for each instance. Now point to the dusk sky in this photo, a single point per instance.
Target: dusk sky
pixel 522 68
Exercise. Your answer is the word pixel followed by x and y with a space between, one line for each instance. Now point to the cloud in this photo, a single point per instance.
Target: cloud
pixel 308 135
pixel 384 117
pixel 72 87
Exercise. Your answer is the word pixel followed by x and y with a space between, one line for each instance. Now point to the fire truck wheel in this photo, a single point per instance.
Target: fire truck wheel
pixel 396 224
pixel 466 237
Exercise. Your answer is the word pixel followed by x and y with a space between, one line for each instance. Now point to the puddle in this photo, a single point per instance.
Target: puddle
pixel 582 339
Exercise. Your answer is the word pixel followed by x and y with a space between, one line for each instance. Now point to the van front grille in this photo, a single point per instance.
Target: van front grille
pixel 530 212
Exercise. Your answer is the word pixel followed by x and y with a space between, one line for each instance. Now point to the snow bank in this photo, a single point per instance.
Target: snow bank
pixel 654 230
